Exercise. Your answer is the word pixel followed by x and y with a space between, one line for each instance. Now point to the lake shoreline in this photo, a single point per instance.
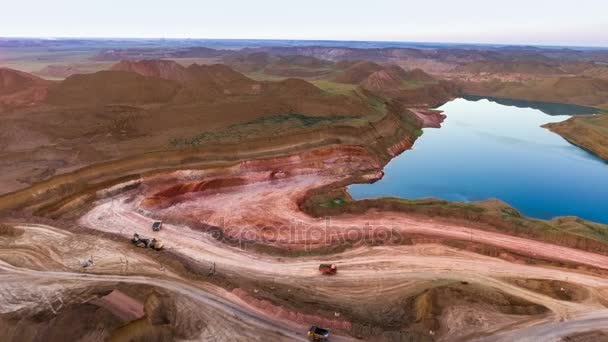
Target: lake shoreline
pixel 586 136
pixel 489 150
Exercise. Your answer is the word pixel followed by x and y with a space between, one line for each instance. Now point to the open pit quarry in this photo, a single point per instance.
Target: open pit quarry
pixel 242 243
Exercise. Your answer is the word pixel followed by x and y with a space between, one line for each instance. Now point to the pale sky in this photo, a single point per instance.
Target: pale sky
pixel 547 22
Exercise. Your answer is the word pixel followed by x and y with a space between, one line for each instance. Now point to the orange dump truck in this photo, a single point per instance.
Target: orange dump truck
pixel 328 269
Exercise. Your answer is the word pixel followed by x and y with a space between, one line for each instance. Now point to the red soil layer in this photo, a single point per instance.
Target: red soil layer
pixel 280 312
pixel 164 197
pixel 428 117
pixel 311 161
pixel 121 305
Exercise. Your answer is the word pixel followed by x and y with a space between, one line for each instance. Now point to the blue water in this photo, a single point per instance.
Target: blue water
pixel 489 150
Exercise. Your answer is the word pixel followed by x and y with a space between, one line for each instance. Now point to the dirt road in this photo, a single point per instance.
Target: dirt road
pixel 365 272
pixel 371 282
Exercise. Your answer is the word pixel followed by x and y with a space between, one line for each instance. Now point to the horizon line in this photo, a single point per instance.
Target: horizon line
pixel 307 40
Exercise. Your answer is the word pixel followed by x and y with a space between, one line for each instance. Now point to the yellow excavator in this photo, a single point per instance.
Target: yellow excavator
pixel 143 242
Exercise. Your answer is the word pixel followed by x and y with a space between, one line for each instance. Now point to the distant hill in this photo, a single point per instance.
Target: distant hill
pixel 382 80
pixel 112 87
pixel 213 89
pixel 357 72
pixel 378 77
pixel 519 67
pixel 166 69
pixel 418 75
pixel 12 81
pixel 580 86
pixel 19 88
pixel 565 89
pixel 285 66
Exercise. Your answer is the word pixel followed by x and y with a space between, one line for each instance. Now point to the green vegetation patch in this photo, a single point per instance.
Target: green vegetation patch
pixel 335 202
pixel 264 126
pixel 492 215
pixel 335 88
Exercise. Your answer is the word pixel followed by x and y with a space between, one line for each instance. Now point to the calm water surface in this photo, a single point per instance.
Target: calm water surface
pixel 491 150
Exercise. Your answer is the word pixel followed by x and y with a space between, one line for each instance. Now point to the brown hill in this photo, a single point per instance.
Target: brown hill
pixel 301 61
pixel 199 82
pixel 418 75
pixel 12 81
pixel 396 71
pixel 219 74
pixel 580 86
pixel 249 62
pixel 212 82
pixel 393 77
pixel 166 69
pixel 430 94
pixel 112 87
pixel 382 80
pixel 572 89
pixel 285 66
pixel 18 88
pixel 357 72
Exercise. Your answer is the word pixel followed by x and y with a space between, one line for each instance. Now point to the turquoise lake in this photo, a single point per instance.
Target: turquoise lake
pixel 488 149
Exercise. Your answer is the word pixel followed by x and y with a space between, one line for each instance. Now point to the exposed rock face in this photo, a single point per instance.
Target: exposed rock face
pixel 429 118
pixel 393 77
pixel 381 80
pixel 389 79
